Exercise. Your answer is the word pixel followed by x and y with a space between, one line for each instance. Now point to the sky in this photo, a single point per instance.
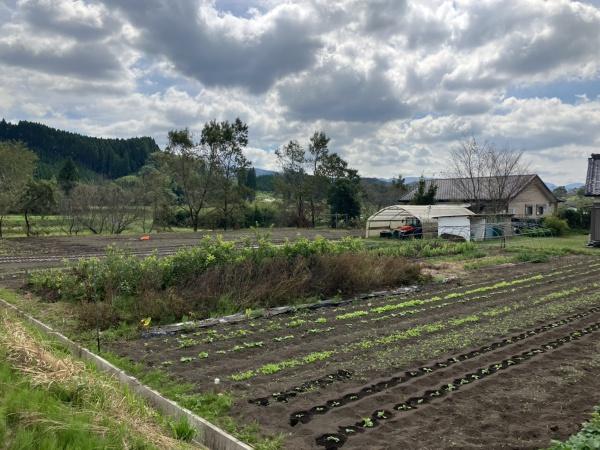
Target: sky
pixel 396 84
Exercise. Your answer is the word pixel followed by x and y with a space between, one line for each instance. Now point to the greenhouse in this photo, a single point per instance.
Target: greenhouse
pixel 423 221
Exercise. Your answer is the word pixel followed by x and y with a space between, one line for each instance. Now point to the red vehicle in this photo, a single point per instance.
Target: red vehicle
pixel 411 229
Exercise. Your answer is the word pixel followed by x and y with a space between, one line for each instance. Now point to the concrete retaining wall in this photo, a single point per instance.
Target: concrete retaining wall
pixel 208 434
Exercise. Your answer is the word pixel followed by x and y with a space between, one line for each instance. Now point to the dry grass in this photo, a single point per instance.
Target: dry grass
pixel 44 368
pixel 279 281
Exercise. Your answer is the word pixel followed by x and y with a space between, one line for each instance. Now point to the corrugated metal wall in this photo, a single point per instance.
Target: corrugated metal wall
pixel 595 228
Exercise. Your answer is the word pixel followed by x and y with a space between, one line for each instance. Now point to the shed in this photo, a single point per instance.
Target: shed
pixel 592 189
pixel 439 219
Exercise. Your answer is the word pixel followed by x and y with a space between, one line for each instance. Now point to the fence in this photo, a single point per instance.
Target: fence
pixel 479 232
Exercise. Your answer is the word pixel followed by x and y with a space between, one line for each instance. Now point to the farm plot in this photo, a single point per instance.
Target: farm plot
pixel 378 373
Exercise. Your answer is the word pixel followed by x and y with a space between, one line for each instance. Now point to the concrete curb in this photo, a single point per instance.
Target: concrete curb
pixel 209 435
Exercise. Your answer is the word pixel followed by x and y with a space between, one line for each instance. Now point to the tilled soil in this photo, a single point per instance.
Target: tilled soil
pixel 545 396
pixel 21 254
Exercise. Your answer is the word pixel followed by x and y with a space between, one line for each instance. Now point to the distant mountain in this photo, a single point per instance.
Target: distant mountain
pixel 110 158
pixel 263 172
pixel 569 187
pixel 572 186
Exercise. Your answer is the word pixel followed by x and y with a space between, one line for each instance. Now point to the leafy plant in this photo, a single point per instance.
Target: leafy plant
pixel 182 430
pixel 367 422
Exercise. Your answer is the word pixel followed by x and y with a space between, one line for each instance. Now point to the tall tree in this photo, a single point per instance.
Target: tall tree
pixel 399 184
pixel 318 154
pixel 251 178
pixel 17 165
pixel 192 170
pixel 344 200
pixel 424 195
pixel 226 142
pixel 155 188
pixel 68 176
pixel 560 192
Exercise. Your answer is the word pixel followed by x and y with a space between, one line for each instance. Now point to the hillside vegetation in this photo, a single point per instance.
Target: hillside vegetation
pixel 111 158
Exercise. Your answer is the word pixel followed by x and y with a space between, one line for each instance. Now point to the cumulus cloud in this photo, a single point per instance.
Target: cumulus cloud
pixel 220 49
pixel 82 21
pixel 92 61
pixel 343 94
pixel 395 83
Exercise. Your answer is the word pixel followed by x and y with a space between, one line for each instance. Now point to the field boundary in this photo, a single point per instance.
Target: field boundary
pixel 209 435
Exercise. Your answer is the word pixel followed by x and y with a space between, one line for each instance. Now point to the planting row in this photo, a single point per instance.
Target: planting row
pixel 354 313
pixel 403 308
pixel 306 416
pixel 286 395
pixel 398 336
pixel 336 440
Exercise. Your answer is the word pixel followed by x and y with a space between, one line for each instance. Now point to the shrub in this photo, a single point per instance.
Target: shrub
pixel 281 280
pixel 558 226
pixel 217 276
pixel 578 219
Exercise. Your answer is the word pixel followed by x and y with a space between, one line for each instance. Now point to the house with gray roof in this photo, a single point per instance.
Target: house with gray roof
pixel 523 196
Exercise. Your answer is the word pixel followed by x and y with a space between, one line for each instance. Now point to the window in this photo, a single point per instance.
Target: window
pixel 528 210
pixel 539 210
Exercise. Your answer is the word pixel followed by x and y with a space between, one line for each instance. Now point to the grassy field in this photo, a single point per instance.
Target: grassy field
pixel 48 401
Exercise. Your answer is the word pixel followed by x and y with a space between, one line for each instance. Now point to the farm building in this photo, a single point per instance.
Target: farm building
pixel 525 196
pixel 426 220
pixel 592 189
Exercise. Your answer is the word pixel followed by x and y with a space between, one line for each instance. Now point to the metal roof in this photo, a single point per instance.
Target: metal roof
pixel 451 189
pixel 422 212
pixel 592 182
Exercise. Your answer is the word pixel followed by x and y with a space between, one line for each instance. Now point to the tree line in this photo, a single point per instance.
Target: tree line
pixel 108 158
pixel 198 181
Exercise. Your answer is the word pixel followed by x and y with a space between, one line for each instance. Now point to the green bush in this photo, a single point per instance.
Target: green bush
pixel 587 439
pixel 558 226
pixel 578 219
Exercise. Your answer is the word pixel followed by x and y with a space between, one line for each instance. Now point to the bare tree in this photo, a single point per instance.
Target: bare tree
pixel 293 185
pixel 108 207
pixel 469 164
pixel 487 176
pixel 121 207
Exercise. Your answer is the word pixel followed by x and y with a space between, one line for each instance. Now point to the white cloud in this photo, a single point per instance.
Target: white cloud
pixel 396 83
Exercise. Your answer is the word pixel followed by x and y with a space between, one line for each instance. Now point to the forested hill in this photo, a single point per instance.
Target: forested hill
pixel 111 158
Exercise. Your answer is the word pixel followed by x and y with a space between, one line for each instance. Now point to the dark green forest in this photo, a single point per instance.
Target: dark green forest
pixel 110 158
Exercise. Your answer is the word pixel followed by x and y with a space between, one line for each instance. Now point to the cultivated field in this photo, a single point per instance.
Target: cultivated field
pixel 502 354
pixel 508 359
pixel 19 254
